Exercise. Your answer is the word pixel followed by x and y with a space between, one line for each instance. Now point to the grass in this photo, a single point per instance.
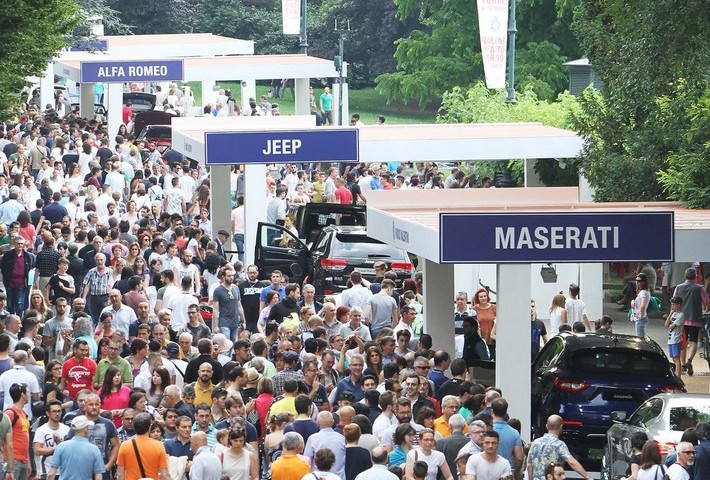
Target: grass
pixel 367 102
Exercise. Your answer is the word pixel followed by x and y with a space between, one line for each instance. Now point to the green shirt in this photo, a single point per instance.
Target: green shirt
pixel 121 363
pixel 326 99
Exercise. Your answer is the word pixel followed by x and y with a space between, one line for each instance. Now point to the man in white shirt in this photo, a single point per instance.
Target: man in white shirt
pixel 576 309
pixel 358 294
pixel 188 269
pixel 379 470
pixel 19 374
pixel 685 461
pixel 385 419
pixel 122 315
pixel 488 465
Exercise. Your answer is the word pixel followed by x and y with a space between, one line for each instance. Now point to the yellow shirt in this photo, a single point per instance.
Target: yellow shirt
pixel 441 425
pixel 203 395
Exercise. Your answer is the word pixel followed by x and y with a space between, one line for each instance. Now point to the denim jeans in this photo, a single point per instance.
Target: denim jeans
pixel 230 333
pixel 239 242
pixel 17 300
pixel 641 327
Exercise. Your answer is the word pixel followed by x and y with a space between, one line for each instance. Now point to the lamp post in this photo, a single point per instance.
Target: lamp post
pixel 304 32
pixel 510 97
pixel 339 66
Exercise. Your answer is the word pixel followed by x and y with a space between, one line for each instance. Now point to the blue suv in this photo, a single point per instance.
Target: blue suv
pixel 585 377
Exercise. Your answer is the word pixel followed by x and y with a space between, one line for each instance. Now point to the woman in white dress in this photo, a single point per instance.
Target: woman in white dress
pixel 238 461
pixel 558 314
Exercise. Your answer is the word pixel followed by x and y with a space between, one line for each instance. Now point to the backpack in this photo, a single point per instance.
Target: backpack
pixel 654 304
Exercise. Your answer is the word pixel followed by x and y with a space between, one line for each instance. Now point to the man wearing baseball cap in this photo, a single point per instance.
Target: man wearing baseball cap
pixel 84 457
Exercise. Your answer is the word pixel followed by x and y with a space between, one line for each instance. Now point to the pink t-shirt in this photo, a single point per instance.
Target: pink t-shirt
pixel 116 401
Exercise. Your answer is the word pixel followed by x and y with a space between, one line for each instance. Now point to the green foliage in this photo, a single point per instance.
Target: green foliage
pixel 445 51
pixel 687 177
pixel 111 19
pixel 478 104
pixel 31 33
pixel 652 58
pixel 146 17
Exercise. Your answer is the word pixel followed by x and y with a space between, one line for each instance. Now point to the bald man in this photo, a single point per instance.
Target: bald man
pixel 550 449
pixel 205 465
pixel 327 438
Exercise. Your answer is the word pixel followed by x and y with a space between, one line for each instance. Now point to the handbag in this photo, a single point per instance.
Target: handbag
pixel 138 457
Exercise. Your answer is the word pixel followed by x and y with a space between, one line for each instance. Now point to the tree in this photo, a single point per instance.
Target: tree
pixel 146 17
pixel 32 33
pixel 478 104
pixel 652 58
pixel 445 50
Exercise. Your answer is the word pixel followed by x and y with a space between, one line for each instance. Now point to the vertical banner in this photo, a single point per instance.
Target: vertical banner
pixel 493 26
pixel 291 11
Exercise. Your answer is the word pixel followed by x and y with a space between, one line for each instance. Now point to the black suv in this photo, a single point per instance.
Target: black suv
pixel 337 251
pixel 585 377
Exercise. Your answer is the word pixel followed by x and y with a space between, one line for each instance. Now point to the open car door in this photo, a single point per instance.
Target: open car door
pixel 278 249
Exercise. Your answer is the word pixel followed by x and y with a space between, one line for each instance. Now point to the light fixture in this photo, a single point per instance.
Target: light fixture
pixel 548 273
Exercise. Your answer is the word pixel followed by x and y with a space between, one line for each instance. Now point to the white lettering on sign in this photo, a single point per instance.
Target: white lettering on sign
pixel 512 238
pixel 110 72
pixel 148 71
pixel 285 146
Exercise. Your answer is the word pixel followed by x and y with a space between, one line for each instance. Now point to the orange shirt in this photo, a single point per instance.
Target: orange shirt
pixel 289 467
pixel 152 454
pixel 486 318
pixel 20 434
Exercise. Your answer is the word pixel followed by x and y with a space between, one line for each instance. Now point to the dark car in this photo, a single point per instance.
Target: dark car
pixel 155 126
pixel 327 264
pixel 662 417
pixel 140 101
pixel 585 377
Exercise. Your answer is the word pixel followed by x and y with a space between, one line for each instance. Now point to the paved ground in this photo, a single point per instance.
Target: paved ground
pixel 699 382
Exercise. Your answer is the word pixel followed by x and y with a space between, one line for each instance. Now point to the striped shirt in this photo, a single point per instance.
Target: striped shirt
pixel 98 283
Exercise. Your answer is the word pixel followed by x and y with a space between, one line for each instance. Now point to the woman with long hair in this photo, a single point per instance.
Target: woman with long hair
pixel 426 453
pixel 27 229
pixel 373 362
pixel 37 302
pixel 114 395
pixel 238 463
pixel 134 252
pixel 558 313
pixel 486 314
pixel 262 402
pixel 158 381
pixel 639 305
pixel 131 214
pixel 74 179
pixel 651 467
pixel 140 268
pixel 54 384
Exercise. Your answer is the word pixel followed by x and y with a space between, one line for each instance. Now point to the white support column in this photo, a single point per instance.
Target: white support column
pixel 248 91
pixel 208 95
pixel 514 340
pixel 302 96
pixel 46 85
pixel 86 100
pixel 221 213
pixel 114 104
pixel 586 191
pixel 438 308
pixel 591 279
pixel 336 98
pixel 254 207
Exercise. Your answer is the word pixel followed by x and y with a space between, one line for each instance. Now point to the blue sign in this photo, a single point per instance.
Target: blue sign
pixel 559 237
pixel 138 71
pixel 90 45
pixel 280 146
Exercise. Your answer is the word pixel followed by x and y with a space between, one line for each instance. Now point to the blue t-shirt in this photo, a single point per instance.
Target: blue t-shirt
pixel 265 290
pixel 509 438
pixel 306 427
pixel 83 456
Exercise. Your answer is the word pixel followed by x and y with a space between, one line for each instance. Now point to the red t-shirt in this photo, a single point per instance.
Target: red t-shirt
pixel 344 196
pixel 78 375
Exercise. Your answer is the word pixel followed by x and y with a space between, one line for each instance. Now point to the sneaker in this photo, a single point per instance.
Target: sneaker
pixel 689 368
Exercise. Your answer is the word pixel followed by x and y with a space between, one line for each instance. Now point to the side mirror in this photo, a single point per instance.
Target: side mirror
pixel 618 417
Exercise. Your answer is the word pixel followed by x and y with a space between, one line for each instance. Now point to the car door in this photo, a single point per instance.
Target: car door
pixel 620 434
pixel 278 249
pixel 542 375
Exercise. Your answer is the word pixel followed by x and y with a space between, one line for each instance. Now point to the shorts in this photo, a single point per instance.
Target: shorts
pixel 691 333
pixel 674 350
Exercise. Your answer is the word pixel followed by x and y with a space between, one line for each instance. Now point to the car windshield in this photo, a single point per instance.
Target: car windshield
pixel 161 133
pixel 689 417
pixel 627 362
pixel 361 246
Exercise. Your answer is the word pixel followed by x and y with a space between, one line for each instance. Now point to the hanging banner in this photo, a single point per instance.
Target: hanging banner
pixel 291 11
pixel 493 26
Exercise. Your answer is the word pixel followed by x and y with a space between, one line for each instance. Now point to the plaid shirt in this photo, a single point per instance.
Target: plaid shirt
pixel 281 377
pixel 98 283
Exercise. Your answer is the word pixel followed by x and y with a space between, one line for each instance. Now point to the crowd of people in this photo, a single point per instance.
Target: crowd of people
pixel 133 347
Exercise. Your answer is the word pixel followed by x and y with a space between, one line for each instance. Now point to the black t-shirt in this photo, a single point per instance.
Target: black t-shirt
pixel 538 330
pixel 104 154
pixel 250 301
pixel 355 190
